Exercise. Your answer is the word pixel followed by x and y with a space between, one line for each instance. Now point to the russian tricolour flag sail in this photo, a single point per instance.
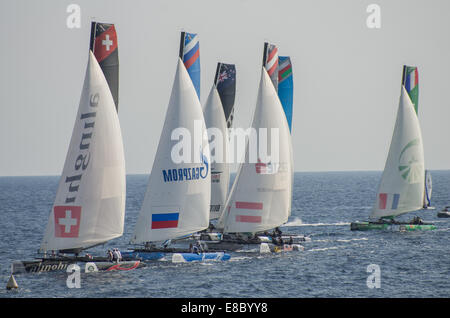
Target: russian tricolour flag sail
pixel 178 196
pixel 190 55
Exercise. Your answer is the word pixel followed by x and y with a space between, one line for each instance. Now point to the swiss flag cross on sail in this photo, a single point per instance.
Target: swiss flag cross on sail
pixel 67 221
pixel 105 44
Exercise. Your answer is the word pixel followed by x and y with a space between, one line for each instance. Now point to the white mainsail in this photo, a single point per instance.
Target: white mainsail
pixel 220 169
pixel 89 207
pixel 178 194
pixel 401 188
pixel 260 198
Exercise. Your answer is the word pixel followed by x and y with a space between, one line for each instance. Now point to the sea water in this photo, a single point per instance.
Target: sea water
pixel 336 263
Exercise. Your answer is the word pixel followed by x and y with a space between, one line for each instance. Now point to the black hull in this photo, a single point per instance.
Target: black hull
pixel 46 265
pixel 233 243
pixel 223 246
pixel 443 215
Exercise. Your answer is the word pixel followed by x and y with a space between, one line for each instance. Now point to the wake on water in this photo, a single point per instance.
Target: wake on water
pixel 298 222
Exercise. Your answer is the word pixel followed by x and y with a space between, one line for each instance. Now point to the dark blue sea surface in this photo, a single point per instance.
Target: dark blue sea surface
pixel 333 264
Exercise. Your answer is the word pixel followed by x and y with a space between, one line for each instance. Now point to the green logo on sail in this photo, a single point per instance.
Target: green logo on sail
pixel 411 167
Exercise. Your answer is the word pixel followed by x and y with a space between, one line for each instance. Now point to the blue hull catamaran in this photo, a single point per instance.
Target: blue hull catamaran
pixel 177 200
pixel 89 207
pixel 402 187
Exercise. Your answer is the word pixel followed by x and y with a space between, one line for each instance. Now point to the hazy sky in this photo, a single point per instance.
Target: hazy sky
pixel 346 76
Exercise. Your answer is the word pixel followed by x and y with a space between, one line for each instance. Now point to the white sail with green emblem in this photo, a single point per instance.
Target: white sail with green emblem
pixel 401 188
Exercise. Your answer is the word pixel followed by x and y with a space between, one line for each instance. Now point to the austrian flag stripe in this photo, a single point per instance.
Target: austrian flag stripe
pixel 249 205
pixel 253 206
pixel 248 218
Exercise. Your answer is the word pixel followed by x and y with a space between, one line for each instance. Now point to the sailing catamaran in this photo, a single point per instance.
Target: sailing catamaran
pixel 260 198
pixel 177 201
pixel 233 238
pixel 402 186
pixel 89 207
pixel 410 80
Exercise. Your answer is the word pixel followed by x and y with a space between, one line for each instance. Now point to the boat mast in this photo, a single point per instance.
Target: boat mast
pixel 183 35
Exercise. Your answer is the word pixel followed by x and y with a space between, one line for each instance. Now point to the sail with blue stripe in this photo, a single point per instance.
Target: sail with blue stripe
pixel 286 87
pixel 190 55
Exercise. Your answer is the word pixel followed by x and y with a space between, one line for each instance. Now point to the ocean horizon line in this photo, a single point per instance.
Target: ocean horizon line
pixel 234 172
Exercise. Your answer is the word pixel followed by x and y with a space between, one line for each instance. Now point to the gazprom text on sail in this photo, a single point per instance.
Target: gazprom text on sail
pixel 184 174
